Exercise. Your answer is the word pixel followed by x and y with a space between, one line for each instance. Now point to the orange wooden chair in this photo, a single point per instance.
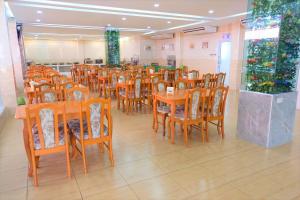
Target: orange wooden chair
pixel 135 96
pixel 195 74
pixel 162 109
pixel 65 86
pixel 193 113
pixel 93 127
pixel 207 81
pixel 216 108
pixel 50 96
pixel 48 133
pixel 77 94
pixel 219 79
pixel 39 88
pixel 180 85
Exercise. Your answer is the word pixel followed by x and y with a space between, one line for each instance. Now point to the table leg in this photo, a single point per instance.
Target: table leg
pixel 173 110
pixel 118 97
pixel 27 147
pixel 154 124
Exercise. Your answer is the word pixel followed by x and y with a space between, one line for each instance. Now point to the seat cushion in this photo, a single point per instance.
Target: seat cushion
pixel 163 109
pixel 74 126
pixel 36 139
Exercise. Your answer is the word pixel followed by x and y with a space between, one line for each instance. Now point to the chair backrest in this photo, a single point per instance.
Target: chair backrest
pixel 43 126
pixel 160 86
pixel 180 85
pixel 195 104
pixel 42 80
pixel 113 79
pixel 55 78
pixel 68 85
pixel 150 70
pixel 220 79
pixel 96 110
pixel 216 101
pixel 207 80
pixel 50 96
pixel 137 87
pixel 194 73
pixel 43 86
pixel 77 94
pixel 177 74
pixel 166 75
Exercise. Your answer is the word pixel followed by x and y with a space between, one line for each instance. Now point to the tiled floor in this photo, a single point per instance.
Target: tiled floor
pixel 149 167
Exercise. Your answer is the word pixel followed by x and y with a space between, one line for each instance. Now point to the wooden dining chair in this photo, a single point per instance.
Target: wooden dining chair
pixel 136 97
pixel 38 88
pixel 50 96
pixel 207 83
pixel 180 85
pixel 177 75
pixel 150 70
pixel 93 127
pixel 193 113
pixel 162 108
pixel 216 108
pixel 77 94
pixel 219 79
pixel 48 134
pixel 195 74
pixel 55 78
pixel 110 87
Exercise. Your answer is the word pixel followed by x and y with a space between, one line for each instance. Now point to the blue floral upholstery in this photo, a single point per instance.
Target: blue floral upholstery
pixel 166 75
pixel 78 95
pixel 163 109
pixel 47 125
pixel 176 75
pixel 69 86
pixel 220 79
pixel 95 118
pixel 181 86
pixel 114 80
pixel 122 79
pixel 74 126
pixel 49 97
pixel 137 88
pixel 155 79
pixel 195 104
pixel 217 102
pixel 207 80
pixel 161 87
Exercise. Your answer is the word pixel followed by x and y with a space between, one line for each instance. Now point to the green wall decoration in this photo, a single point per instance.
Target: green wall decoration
pixel 270 64
pixel 112 47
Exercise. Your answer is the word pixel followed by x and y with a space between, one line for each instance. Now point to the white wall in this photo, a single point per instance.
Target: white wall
pixel 298 100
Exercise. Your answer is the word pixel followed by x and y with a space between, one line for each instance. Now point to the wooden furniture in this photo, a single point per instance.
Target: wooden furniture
pixel 110 87
pixel 37 89
pixel 91 128
pixel 216 108
pixel 195 74
pixel 193 112
pixel 77 94
pixel 207 82
pixel 46 134
pixel 50 96
pixel 219 79
pixel 180 85
pixel 55 78
pixel 65 86
pixel 161 108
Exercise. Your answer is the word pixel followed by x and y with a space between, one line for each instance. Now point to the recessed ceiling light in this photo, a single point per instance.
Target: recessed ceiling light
pixel 36 35
pixel 156 5
pixel 169 22
pixel 38 20
pixel 124 18
pixel 108 24
pixel 148 27
pixel 211 11
pixel 39 12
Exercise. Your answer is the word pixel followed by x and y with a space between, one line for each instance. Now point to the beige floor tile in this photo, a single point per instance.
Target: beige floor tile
pixel 289 192
pixel 58 189
pixel 20 194
pixel 114 194
pixel 161 187
pixel 140 170
pixel 13 180
pixel 98 181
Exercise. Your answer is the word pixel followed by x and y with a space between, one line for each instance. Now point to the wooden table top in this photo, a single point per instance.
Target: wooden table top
pixel 176 96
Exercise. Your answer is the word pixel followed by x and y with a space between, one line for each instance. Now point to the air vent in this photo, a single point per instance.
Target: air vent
pixel 200 30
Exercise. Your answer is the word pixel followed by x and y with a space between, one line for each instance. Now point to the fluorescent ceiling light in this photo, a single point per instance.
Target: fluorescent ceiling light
pixel 61 34
pixel 8 11
pixel 124 18
pixel 39 12
pixel 169 22
pixel 107 9
pixel 38 20
pixel 82 27
pixel 211 11
pixel 156 5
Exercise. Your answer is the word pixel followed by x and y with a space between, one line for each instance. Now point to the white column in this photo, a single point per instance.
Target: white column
pixel 298 99
pixel 16 55
pixel 178 48
pixel 7 81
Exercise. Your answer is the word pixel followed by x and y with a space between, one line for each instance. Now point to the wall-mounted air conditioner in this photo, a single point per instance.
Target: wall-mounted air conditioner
pixel 163 36
pixel 200 30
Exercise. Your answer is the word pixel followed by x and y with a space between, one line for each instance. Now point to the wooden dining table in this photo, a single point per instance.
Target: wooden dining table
pixel 172 99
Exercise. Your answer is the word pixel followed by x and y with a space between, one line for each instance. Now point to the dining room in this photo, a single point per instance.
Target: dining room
pixel 151 99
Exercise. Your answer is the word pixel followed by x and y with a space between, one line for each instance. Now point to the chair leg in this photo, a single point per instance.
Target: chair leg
pixel 206 131
pixel 35 178
pixel 73 144
pixel 164 124
pixel 84 158
pixel 68 161
pixel 111 157
pixel 185 127
pixel 169 128
pixel 222 128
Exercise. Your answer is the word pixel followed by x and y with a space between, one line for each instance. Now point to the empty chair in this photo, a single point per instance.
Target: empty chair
pixel 77 94
pixel 50 96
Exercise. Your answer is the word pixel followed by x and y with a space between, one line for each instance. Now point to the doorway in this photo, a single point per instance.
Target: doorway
pixel 224 60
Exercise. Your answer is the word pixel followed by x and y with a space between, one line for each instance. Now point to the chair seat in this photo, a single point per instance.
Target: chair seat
pixel 180 115
pixel 163 109
pixel 74 126
pixel 37 144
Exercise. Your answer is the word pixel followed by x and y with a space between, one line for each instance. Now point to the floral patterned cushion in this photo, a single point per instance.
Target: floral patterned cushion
pixel 74 126
pixel 163 109
pixel 36 139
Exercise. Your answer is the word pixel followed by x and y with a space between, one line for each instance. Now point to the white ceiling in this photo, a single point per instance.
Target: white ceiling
pixel 87 18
